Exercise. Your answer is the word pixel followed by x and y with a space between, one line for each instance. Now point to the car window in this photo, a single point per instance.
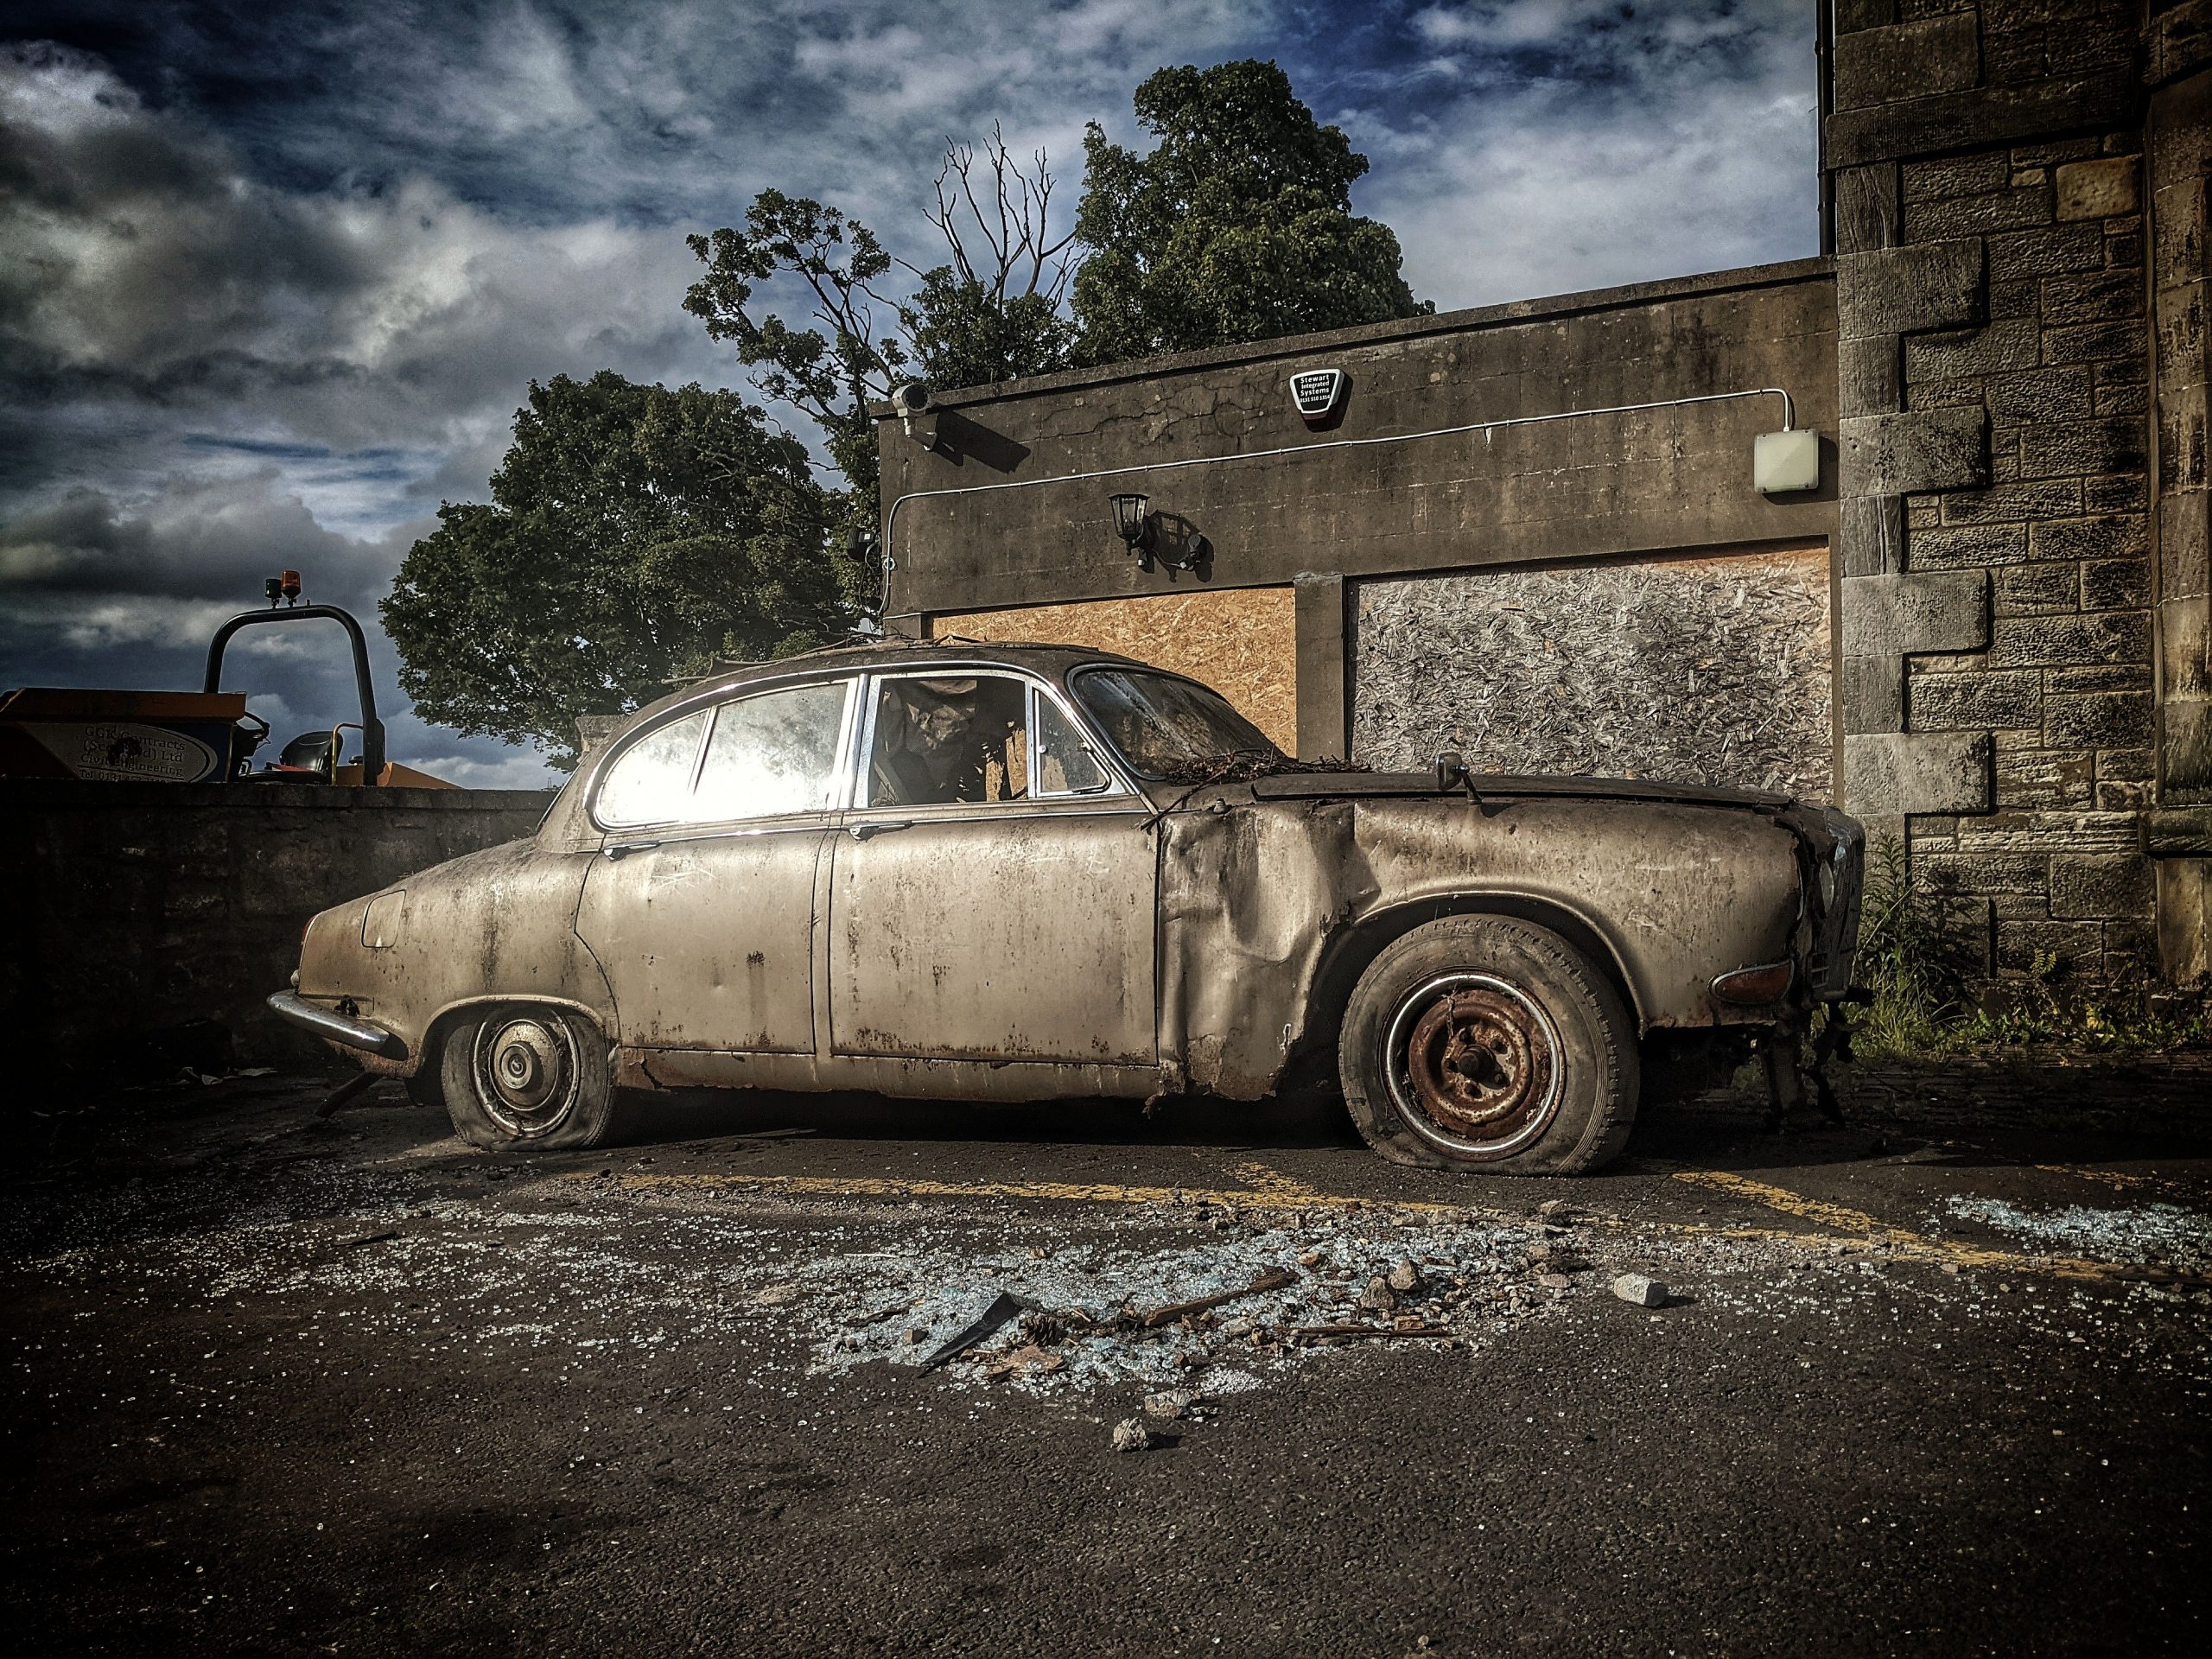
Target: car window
pixel 943 740
pixel 1165 726
pixel 650 781
pixel 770 753
pixel 1065 765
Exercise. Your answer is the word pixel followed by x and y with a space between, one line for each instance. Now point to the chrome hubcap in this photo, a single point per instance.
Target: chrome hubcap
pixel 526 1074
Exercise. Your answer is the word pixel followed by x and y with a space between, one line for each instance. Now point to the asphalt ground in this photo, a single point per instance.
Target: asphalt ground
pixel 1936 1383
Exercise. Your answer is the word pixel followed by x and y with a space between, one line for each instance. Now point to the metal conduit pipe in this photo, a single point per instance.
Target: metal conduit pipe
pixel 891 518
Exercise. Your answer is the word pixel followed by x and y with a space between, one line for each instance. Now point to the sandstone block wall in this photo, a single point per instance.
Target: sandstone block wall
pixel 2001 673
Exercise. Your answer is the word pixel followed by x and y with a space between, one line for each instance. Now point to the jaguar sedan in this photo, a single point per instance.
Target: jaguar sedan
pixel 1013 873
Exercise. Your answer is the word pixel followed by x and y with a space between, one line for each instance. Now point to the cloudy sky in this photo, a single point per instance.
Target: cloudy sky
pixel 273 279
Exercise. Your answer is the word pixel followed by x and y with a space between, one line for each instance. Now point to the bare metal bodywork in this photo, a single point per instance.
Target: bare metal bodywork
pixel 1148 939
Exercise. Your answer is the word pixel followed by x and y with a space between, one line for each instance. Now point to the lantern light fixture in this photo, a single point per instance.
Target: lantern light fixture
pixel 1130 513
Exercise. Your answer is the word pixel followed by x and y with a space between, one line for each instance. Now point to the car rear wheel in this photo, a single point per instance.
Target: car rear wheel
pixel 520 1077
pixel 1485 1042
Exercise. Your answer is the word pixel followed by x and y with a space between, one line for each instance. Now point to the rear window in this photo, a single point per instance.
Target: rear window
pixel 766 755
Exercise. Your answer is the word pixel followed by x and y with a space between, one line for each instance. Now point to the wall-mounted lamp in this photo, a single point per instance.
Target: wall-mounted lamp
pixel 1166 538
pixel 1131 515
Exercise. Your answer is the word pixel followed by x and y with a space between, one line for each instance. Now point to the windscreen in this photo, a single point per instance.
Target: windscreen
pixel 1169 728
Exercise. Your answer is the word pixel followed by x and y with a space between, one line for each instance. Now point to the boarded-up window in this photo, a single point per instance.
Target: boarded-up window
pixel 1705 669
pixel 1241 641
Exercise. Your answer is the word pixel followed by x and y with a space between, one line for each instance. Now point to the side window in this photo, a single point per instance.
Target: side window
pixel 1065 765
pixel 651 781
pixel 770 753
pixel 941 740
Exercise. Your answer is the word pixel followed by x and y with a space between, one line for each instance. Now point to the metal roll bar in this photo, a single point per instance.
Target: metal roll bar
pixel 372 728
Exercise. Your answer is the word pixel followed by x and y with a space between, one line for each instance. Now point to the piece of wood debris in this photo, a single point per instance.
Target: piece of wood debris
pixel 1273 1279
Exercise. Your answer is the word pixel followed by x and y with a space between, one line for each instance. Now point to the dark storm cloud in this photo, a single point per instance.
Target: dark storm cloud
pixel 140 263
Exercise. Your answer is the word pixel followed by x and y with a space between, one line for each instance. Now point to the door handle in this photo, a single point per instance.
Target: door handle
pixel 865 832
pixel 622 849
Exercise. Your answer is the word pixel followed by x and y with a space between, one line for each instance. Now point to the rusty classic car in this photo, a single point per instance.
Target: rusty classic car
pixel 1018 872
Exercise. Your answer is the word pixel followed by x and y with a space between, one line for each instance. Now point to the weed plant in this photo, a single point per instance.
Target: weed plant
pixel 1912 955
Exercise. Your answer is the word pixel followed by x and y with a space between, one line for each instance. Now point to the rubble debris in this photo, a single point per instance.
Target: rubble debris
pixel 1131 1435
pixel 1171 1403
pixel 1273 1279
pixel 913 1337
pixel 1557 1209
pixel 1029 1360
pixel 1378 1297
pixel 1391 1331
pixel 1003 1308
pixel 1405 1278
pixel 1640 1291
pixel 778 1296
pixel 1555 1281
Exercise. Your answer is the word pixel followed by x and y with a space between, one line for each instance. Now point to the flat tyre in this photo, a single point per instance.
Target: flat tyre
pixel 521 1078
pixel 1489 1043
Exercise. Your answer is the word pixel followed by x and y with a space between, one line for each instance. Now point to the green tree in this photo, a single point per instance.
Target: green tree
pixel 993 311
pixel 634 534
pixel 1237 227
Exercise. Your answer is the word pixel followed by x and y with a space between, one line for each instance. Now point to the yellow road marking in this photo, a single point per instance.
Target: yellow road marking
pixel 1266 1179
pixel 1846 1226
pixel 1834 1217
pixel 1285 1195
pixel 2125 1182
pixel 1902 1245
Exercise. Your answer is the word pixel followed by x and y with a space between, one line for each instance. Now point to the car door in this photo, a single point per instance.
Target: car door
pixel 993 893
pixel 700 910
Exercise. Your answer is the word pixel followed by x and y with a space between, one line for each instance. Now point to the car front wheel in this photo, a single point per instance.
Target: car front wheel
pixel 520 1077
pixel 1485 1042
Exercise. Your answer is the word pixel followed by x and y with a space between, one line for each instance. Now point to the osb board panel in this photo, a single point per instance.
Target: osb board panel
pixel 1241 641
pixel 1706 669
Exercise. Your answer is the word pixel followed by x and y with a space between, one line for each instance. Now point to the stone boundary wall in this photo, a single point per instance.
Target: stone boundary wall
pixel 1999 685
pixel 141 922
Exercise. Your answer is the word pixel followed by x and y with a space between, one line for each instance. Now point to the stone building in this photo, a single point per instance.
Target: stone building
pixel 1537 531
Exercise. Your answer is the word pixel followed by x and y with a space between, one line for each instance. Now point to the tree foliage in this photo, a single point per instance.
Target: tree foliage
pixel 634 534
pixel 1237 227
pixel 993 311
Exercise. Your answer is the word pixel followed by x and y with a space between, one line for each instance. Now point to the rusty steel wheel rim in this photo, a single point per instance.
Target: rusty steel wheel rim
pixel 1475 1065
pixel 526 1073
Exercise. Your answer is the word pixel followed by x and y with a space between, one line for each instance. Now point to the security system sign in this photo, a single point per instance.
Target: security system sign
pixel 1316 393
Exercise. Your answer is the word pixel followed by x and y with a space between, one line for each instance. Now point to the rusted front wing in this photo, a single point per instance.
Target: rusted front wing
pixel 1259 898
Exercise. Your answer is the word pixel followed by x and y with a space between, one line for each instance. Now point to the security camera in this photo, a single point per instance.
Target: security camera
pixel 917 411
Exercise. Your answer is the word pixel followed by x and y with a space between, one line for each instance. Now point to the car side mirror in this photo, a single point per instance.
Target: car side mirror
pixel 1452 772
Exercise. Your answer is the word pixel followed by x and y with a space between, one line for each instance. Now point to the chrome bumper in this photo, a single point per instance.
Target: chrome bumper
pixel 355 1033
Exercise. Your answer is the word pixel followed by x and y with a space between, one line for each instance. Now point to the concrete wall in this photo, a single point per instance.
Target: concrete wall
pixel 2010 350
pixel 1677 477
pixel 1998 683
pixel 128 911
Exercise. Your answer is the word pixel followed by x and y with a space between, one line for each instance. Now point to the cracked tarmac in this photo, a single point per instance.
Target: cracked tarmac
pixel 282 1387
